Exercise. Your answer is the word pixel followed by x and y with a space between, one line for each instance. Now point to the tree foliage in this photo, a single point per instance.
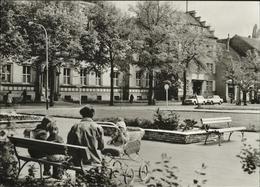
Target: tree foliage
pixel 243 71
pixel 103 43
pixel 150 34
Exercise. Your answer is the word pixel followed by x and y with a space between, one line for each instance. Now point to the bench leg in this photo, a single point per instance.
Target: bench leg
pixel 40 170
pixel 207 136
pixel 21 167
pixel 230 135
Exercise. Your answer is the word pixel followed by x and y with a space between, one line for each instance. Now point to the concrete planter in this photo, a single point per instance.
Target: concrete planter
pixel 186 137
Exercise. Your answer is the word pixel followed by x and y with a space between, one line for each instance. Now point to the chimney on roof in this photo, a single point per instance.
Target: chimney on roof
pixel 227 44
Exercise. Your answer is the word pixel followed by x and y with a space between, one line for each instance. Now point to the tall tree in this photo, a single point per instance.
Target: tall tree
pixel 13 44
pixel 63 25
pixel 189 47
pixel 152 28
pixel 243 72
pixel 102 43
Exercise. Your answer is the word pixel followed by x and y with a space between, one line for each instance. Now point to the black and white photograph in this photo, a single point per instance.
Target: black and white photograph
pixel 129 93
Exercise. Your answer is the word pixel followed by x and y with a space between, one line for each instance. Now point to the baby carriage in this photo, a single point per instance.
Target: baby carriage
pixel 125 161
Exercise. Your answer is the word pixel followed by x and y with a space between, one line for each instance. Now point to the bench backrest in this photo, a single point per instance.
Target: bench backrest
pixel 220 120
pixel 46 146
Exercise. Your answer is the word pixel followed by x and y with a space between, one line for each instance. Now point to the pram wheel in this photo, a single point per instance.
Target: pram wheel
pixel 143 172
pixel 129 175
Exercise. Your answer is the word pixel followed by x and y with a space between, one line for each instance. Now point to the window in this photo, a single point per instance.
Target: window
pixel 209 85
pixel 146 80
pixel 115 78
pixel 26 74
pixel 138 77
pixel 98 79
pixel 6 73
pixel 84 77
pixel 210 67
pixel 66 76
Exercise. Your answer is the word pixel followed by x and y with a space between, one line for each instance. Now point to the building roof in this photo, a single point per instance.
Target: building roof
pixel 191 17
pixel 243 44
pixel 223 45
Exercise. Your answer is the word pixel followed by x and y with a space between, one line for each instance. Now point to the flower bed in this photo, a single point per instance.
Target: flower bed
pixel 18 120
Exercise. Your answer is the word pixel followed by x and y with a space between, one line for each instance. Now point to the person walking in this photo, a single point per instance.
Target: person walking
pixel 9 99
pixel 86 133
pixel 131 99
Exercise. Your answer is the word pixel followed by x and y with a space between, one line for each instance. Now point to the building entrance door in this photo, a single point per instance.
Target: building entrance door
pixel 197 86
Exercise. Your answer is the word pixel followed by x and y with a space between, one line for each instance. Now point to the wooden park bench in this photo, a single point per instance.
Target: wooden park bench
pixel 208 125
pixel 21 146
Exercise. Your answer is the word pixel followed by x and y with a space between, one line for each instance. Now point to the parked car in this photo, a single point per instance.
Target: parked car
pixel 214 99
pixel 192 100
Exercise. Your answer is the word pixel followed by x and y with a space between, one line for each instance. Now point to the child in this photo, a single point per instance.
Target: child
pixel 54 137
pixel 120 137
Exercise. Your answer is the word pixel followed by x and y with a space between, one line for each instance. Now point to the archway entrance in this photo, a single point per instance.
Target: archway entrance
pixel 197 86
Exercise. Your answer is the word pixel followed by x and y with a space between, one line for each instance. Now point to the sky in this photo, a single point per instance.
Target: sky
pixel 225 17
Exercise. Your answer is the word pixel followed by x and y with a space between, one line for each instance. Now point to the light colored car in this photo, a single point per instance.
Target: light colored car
pixel 193 100
pixel 214 99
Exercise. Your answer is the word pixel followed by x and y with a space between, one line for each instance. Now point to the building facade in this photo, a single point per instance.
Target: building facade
pixel 78 83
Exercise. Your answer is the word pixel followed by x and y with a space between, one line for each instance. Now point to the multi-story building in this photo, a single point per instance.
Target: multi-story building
pixel 235 48
pixel 78 82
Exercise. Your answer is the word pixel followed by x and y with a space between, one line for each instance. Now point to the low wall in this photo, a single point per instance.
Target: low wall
pixel 177 136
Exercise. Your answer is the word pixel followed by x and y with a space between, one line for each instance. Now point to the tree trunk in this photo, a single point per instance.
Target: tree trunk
pixel 150 90
pixel 244 97
pixel 38 83
pixel 111 102
pixel 238 102
pixel 184 86
pixel 51 81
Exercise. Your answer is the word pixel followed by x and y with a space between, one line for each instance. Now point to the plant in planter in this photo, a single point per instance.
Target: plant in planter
pixel 167 120
pixel 8 162
pixel 188 124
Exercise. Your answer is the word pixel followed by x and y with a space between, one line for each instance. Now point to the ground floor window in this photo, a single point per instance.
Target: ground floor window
pixel 6 73
pixel 209 85
pixel 98 79
pixel 26 74
pixel 66 76
pixel 84 76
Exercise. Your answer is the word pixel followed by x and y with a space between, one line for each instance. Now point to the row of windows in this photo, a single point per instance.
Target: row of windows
pixel 142 79
pixel 85 76
pixel 7 72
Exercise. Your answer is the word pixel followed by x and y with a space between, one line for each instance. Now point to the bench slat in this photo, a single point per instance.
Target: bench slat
pixel 45 146
pixel 231 129
pixel 216 120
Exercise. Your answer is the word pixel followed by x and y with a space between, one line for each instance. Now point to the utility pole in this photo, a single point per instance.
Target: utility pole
pixel 187 6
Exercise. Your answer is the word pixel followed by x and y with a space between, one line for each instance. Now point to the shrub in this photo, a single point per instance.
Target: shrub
pixel 188 124
pixel 165 174
pixel 167 120
pixel 250 158
pixel 8 162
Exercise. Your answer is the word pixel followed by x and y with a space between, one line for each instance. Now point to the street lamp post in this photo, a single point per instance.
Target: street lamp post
pixel 47 63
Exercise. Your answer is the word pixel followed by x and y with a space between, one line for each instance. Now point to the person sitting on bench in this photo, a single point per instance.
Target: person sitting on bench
pixel 86 133
pixel 41 133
